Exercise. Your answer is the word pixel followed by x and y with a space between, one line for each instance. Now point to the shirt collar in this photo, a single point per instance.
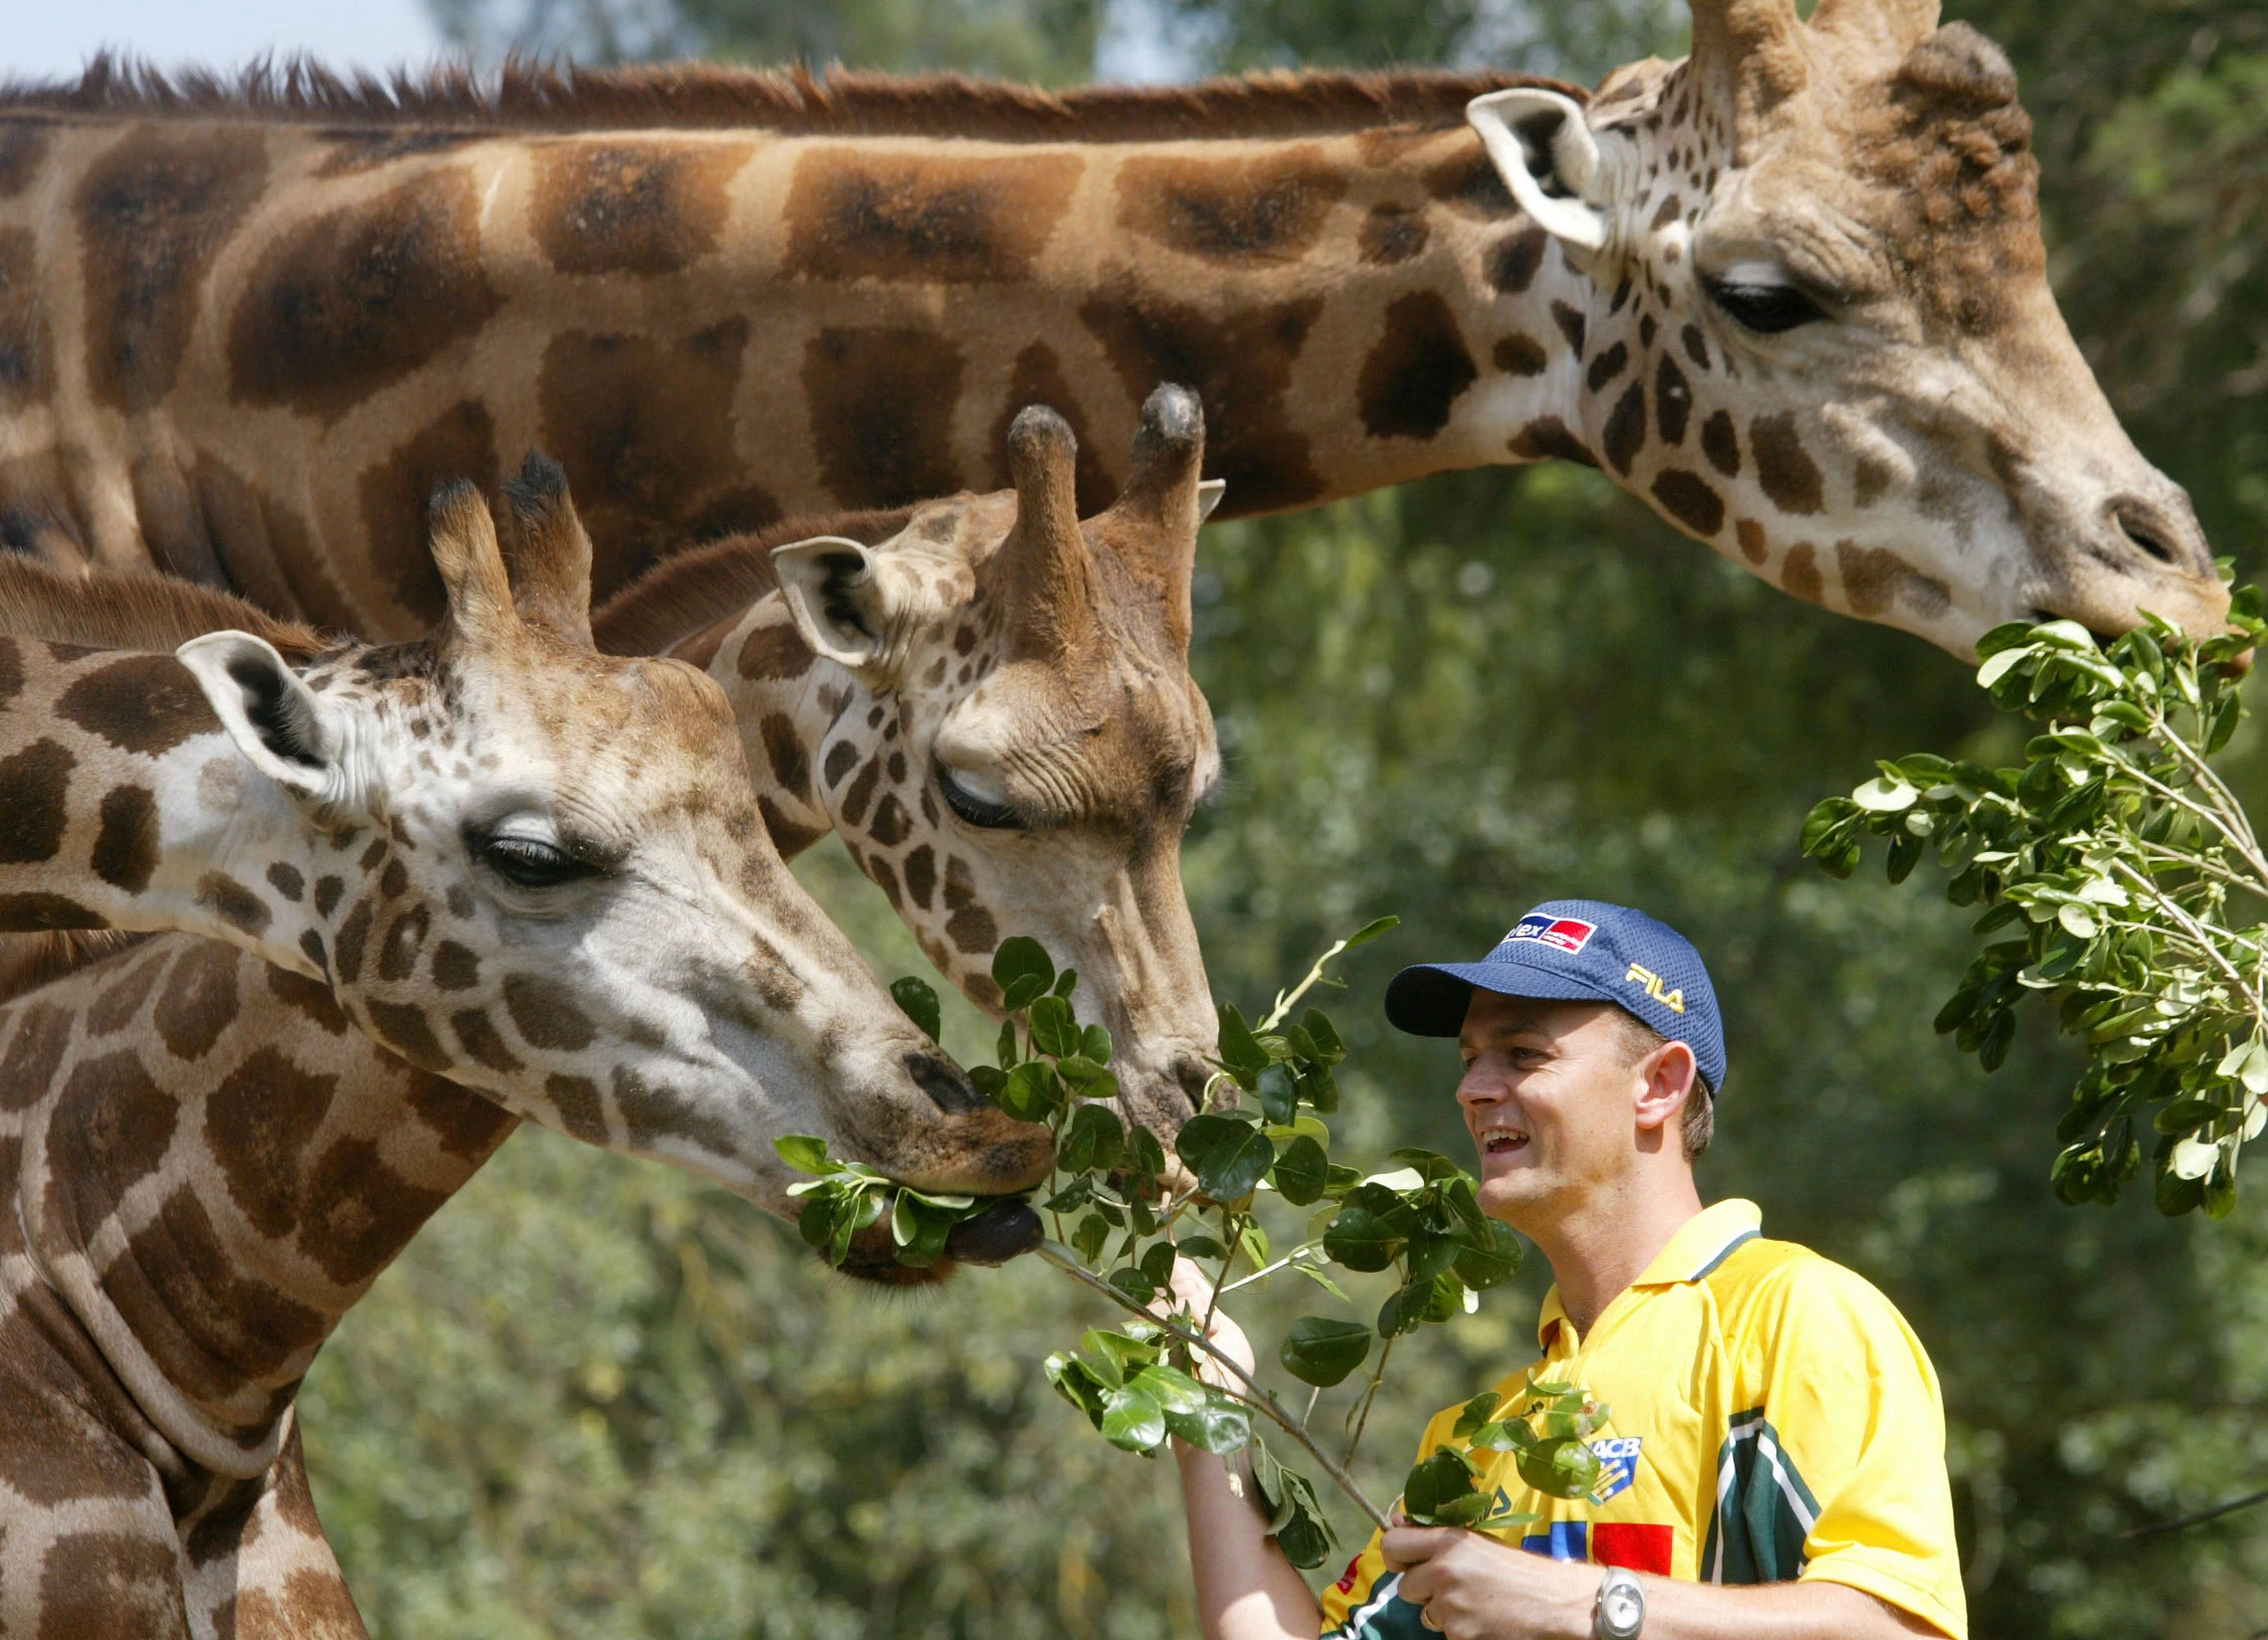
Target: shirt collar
pixel 1700 1244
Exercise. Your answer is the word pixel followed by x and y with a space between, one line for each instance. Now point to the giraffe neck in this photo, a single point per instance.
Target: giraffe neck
pixel 716 328
pixel 213 1166
pixel 126 806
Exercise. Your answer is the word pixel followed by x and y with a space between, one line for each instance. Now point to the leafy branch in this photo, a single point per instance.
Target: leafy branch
pixel 2115 864
pixel 1121 1221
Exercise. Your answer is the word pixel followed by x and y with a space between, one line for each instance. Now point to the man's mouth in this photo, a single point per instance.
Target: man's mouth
pixel 1503 1141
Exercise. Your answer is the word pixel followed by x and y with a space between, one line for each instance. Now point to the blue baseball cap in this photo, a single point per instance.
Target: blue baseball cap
pixel 1578 950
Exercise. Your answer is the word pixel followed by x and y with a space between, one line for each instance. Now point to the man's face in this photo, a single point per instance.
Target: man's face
pixel 1547 1094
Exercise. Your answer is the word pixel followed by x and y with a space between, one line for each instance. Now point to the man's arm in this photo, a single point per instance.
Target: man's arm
pixel 1475 1588
pixel 1246 1589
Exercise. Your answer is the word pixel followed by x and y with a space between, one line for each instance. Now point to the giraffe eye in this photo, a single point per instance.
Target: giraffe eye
pixel 1767 308
pixel 988 808
pixel 531 862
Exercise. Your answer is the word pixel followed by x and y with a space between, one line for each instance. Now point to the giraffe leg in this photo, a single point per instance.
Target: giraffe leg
pixel 260 1567
pixel 87 1545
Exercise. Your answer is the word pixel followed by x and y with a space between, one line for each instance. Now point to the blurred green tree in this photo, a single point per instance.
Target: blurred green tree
pixel 597 1398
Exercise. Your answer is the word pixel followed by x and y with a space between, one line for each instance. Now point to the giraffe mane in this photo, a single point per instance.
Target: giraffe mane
pixel 104 610
pixel 541 96
pixel 696 587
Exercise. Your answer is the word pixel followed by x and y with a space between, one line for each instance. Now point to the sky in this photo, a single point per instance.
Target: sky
pixel 47 39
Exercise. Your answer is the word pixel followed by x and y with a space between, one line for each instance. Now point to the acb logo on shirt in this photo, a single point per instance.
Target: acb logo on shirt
pixel 1617 1463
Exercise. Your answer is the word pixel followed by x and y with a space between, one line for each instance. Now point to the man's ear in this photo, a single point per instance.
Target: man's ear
pixel 1671 1076
pixel 283 727
pixel 1542 147
pixel 1209 493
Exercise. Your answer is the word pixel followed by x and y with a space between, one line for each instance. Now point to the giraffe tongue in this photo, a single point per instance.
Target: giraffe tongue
pixel 1001 1232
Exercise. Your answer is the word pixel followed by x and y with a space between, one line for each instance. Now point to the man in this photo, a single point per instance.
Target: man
pixel 1775 1457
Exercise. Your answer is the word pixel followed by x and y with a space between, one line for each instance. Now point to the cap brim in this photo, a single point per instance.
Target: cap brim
pixel 1430 999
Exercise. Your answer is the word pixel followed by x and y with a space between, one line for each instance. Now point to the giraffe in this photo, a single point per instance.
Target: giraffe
pixel 1790 292
pixel 991 702
pixel 211 1163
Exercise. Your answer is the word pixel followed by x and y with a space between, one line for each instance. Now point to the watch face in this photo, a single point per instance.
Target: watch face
pixel 1621 1609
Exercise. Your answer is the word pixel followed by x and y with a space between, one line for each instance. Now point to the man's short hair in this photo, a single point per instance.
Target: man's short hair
pixel 1699 1122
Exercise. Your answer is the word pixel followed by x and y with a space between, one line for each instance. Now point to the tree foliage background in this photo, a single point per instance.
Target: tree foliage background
pixel 597 1398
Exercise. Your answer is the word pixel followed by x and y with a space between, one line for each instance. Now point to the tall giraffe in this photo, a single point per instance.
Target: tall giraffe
pixel 1790 292
pixel 268 1163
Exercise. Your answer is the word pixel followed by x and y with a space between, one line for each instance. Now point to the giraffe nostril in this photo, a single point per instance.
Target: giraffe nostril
pixel 1193 1074
pixel 2152 531
pixel 945 1083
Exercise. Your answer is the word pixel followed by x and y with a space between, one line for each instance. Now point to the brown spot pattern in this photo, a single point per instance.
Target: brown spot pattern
pixel 1390 234
pixel 784 751
pixel 1231 212
pixel 1416 371
pixel 233 903
pixel 403 1027
pixel 1519 355
pixel 143 704
pixel 309 997
pixel 1548 437
pixel 546 1015
pixel 34 786
pixel 152 213
pixel 631 207
pixel 922 874
pixel 1787 470
pixel 579 1107
pixel 1799 575
pixel 404 944
pixel 480 1038
pixel 875 395
pixel 862 793
pixel 852 215
pixel 27 346
pixel 1673 401
pixel 1721 444
pixel 1513 260
pixel 1751 535
pixel 199 999
pixel 1689 498
pixel 455 968
pixel 122 999
pixel 644 428
pixel 35 1052
pixel 23 145
pixel 1037 378
pixel 353 937
pixel 234 1327
pixel 460 443
pixel 1875 579
pixel 774 652
pixel 347 302
pixel 38 912
pixel 111 1128
pixel 1625 432
pixel 1240 366
pixel 109 1584
pixel 257 1118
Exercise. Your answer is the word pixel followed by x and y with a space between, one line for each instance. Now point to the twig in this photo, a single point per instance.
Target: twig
pixel 2185 1522
pixel 1284 1001
pixel 1362 1419
pixel 1258 1398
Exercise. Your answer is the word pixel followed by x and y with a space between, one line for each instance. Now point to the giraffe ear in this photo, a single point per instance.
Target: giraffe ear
pixel 1209 493
pixel 1542 147
pixel 284 728
pixel 837 598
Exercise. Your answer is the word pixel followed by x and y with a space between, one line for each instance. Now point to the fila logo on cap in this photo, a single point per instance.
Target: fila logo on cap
pixel 1672 1000
pixel 1562 933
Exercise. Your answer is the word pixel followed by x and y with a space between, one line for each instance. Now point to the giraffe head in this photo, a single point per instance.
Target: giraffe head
pixel 1820 334
pixel 540 872
pixel 1025 745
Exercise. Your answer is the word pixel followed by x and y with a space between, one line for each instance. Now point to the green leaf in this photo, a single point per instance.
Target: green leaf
pixel 1220 1426
pixel 1559 1468
pixel 1157 1264
pixel 1054 1032
pixel 919 1002
pixel 1077 1382
pixel 1228 1155
pixel 1329 1050
pixel 806 1154
pixel 1476 1414
pixel 1240 1049
pixel 1092 1232
pixel 1301 1171
pixel 1065 983
pixel 1023 970
pixel 1405 1309
pixel 1202 1247
pixel 1361 1240
pixel 1093 1140
pixel 1321 1352
pixel 1278 1097
pixel 1371 931
pixel 1095 1044
pixel 1132 1283
pixel 1133 1420
pixel 1029 1093
pixel 1305 1539
pixel 1490 1256
pixel 1441 1479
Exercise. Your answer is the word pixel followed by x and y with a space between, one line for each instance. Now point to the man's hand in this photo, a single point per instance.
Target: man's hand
pixel 1473 1587
pixel 1197 1294
pixel 1477 1589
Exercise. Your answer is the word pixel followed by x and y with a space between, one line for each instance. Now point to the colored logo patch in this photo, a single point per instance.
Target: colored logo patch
pixel 1617 1463
pixel 1561 933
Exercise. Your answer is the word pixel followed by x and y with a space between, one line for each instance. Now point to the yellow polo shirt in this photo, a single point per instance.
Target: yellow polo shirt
pixel 1770 1417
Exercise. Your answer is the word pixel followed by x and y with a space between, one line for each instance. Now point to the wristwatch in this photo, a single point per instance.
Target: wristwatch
pixel 1621 1610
